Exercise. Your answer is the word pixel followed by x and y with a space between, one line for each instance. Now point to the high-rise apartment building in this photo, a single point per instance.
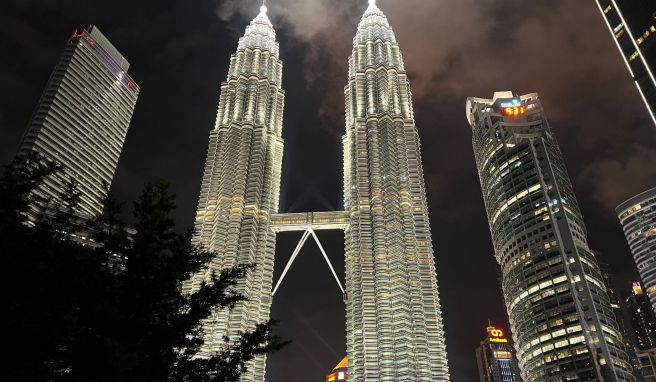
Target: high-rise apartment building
pixel 241 184
pixel 632 23
pixel 560 314
pixel 496 358
pixel 393 320
pixel 82 119
pixel 638 218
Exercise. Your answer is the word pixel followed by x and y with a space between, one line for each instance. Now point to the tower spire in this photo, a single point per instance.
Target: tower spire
pixel 263 8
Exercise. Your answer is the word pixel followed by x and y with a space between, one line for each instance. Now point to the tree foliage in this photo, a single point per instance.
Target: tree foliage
pixel 110 307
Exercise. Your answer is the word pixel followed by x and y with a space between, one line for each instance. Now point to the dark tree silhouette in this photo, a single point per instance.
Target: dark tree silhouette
pixel 88 301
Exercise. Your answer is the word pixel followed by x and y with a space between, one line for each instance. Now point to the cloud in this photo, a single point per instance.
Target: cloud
pixel 621 174
pixel 227 9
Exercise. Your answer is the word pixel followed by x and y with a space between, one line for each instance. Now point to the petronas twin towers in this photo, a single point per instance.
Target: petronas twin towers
pixel 393 314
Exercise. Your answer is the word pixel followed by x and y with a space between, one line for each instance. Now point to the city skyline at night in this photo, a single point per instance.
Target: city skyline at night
pixel 606 138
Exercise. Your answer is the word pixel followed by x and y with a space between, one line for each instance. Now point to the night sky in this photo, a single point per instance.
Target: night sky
pixel 179 53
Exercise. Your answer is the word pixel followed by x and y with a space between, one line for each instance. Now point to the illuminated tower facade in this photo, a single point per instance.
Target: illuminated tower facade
pixel 560 313
pixel 241 184
pixel 638 218
pixel 81 121
pixel 393 314
pixel 632 23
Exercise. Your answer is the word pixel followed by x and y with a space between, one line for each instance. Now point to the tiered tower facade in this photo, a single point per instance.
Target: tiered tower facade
pixel 393 315
pixel 241 184
pixel 561 316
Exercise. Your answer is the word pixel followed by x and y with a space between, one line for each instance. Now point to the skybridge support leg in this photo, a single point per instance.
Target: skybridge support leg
pixel 323 252
pixel 291 259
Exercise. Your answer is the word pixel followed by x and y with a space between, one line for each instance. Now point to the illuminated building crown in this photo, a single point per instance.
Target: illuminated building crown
pixel 260 34
pixel 374 26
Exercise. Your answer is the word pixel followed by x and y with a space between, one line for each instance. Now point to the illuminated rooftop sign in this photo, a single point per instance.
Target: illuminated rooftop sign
pixel 514 111
pixel 512 103
pixel 496 335
pixel 512 108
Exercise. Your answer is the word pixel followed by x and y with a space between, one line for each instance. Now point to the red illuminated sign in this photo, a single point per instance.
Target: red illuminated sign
pixel 514 111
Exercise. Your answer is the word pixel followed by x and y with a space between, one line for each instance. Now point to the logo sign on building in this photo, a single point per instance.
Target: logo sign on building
pixel 496 335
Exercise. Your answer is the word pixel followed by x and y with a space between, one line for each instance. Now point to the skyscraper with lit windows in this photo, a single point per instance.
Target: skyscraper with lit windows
pixel 81 121
pixel 393 314
pixel 560 314
pixel 632 23
pixel 643 323
pixel 241 185
pixel 643 320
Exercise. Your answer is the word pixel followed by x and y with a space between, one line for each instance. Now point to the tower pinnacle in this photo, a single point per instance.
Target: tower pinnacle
pixel 372 3
pixel 263 8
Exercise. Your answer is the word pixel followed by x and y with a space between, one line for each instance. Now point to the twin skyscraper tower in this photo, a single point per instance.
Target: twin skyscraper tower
pixel 393 315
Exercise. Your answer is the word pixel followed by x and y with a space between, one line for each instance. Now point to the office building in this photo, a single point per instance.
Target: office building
pixel 632 24
pixel 393 320
pixel 560 313
pixel 643 333
pixel 638 218
pixel 241 184
pixel 393 313
pixel 642 317
pixel 81 121
pixel 496 358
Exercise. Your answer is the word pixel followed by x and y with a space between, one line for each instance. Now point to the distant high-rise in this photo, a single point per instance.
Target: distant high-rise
pixel 643 335
pixel 339 372
pixel 642 317
pixel 496 358
pixel 638 218
pixel 82 119
pixel 632 23
pixel 560 314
